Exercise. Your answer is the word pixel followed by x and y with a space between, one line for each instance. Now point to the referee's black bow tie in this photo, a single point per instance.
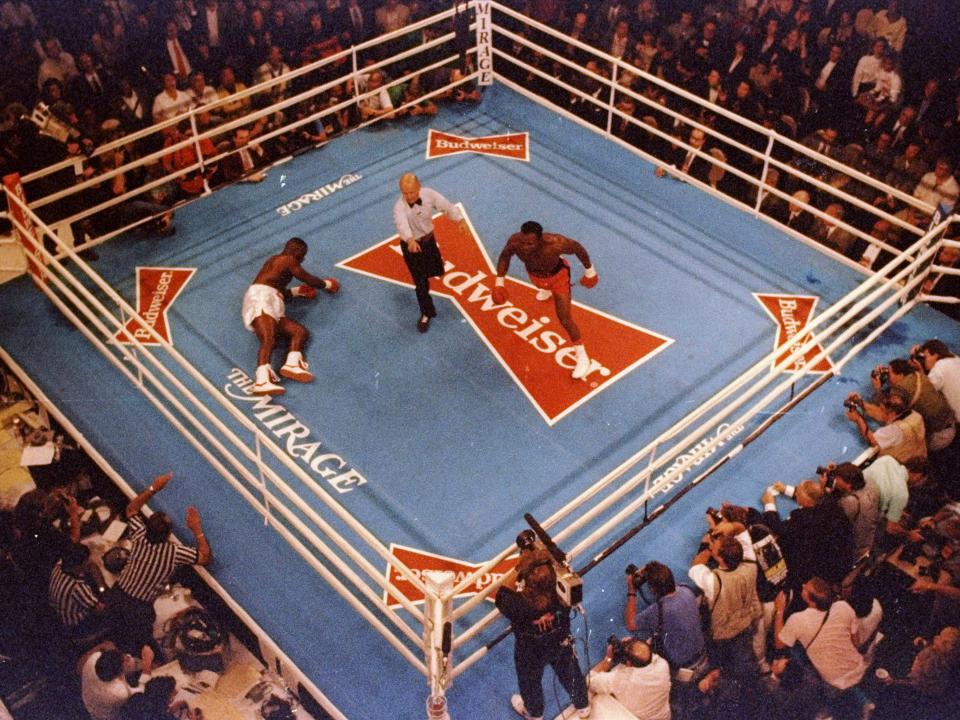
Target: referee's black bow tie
pixel 418 201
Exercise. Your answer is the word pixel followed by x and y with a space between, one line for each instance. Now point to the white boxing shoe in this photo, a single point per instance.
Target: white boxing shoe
pixel 544 294
pixel 297 370
pixel 266 382
pixel 583 363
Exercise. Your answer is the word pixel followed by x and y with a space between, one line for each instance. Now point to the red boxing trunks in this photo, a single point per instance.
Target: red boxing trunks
pixel 558 283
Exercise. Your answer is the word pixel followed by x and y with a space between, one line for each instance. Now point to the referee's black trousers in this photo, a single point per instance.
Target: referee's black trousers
pixel 424 265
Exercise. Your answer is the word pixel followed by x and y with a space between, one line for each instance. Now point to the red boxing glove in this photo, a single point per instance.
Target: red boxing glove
pixel 304 291
pixel 331 286
pixel 499 293
pixel 590 278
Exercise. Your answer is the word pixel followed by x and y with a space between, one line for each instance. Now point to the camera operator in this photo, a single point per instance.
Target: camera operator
pixel 671 623
pixel 541 627
pixel 942 368
pixel 920 395
pixel 636 676
pixel 902 434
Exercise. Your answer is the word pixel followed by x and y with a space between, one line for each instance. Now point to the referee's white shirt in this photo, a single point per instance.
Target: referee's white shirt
pixel 415 221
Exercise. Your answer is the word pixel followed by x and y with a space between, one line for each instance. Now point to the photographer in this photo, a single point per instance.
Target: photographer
pixel 860 502
pixel 636 676
pixel 671 623
pixel 541 627
pixel 920 395
pixel 902 434
pixel 730 594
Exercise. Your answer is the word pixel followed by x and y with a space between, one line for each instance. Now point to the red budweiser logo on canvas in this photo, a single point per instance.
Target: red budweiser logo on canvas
pixel 157 288
pixel 522 333
pixel 513 146
pixel 792 313
pixel 418 561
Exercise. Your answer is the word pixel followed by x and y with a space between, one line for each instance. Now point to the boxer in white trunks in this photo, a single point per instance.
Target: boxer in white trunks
pixel 264 313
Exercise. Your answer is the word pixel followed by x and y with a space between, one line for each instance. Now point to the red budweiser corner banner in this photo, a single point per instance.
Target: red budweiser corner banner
pixel 418 561
pixel 792 314
pixel 35 259
pixel 514 146
pixel 523 334
pixel 157 288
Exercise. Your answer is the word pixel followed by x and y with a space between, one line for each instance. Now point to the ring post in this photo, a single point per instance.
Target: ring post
pixel 436 639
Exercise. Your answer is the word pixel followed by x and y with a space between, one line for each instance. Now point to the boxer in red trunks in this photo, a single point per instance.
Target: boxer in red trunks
pixel 264 313
pixel 541 254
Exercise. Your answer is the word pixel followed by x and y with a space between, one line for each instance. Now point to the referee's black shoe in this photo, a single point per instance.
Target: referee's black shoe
pixel 423 324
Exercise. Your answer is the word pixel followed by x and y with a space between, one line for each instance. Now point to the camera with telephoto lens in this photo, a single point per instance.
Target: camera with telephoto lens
pixel 821 470
pixel 917 357
pixel 715 515
pixel 882 374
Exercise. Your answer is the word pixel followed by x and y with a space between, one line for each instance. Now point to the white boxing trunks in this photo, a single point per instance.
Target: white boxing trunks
pixel 262 300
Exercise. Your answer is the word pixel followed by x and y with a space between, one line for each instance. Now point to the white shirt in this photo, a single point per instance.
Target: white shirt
pixel 103 700
pixel 945 377
pixel 413 222
pixel 930 191
pixel 825 75
pixel 166 107
pixel 645 691
pixel 866 72
pixel 213 25
pixel 832 651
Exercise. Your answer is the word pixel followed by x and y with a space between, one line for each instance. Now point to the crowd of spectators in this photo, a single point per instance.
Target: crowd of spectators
pixel 825 74
pixel 112 67
pixel 78 634
pixel 819 612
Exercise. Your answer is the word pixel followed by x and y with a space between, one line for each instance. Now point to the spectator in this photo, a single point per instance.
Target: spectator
pixel 272 69
pixel 890 25
pixel 943 370
pixel 901 433
pixel 243 163
pixel 829 233
pixel 201 93
pixel 229 85
pixel 932 674
pixel 867 70
pixel 798 217
pixel 17 15
pixel 688 161
pixel 104 678
pixel 57 64
pixel 152 562
pixel 176 57
pixel 171 101
pixel 378 103
pixel 939 185
pixel 640 682
pixel 827 632
pixel 391 15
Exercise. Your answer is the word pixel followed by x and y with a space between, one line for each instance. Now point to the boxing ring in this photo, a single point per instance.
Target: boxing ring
pixel 329 472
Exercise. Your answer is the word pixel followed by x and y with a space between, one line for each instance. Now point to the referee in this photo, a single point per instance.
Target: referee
pixel 152 562
pixel 413 216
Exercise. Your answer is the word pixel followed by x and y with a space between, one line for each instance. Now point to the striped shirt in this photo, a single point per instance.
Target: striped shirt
pixel 151 565
pixel 71 597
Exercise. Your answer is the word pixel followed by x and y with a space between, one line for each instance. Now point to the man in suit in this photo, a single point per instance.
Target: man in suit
pixel 92 87
pixel 687 161
pixel 798 218
pixel 831 235
pixel 216 27
pixel 174 53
